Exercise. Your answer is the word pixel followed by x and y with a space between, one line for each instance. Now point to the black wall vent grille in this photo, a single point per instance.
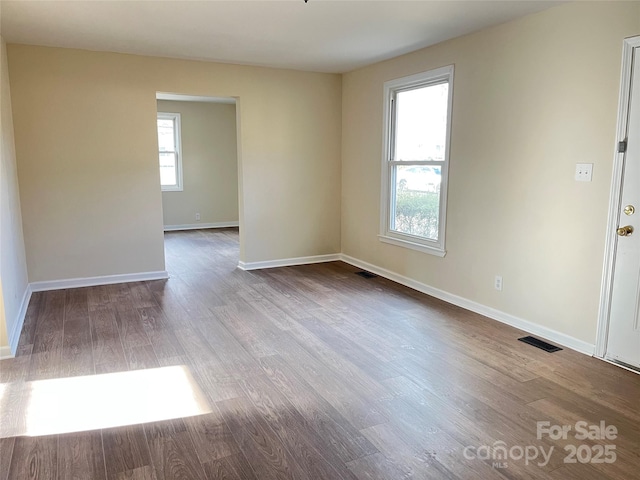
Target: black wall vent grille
pixel 366 274
pixel 536 342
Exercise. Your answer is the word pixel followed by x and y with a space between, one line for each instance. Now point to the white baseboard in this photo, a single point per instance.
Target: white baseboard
pixel 93 281
pixel 200 226
pixel 5 352
pixel 288 262
pixel 14 335
pixel 530 327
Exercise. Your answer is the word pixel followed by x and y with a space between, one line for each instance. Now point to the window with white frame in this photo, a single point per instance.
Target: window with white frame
pixel 169 151
pixel 417 124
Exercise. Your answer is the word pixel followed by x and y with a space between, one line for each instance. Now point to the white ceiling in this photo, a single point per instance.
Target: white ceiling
pixel 322 35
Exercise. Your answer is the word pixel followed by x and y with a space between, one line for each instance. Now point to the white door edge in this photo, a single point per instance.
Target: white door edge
pixel 615 198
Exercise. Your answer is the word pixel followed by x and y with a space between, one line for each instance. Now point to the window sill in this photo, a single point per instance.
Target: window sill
pixel 172 189
pixel 439 252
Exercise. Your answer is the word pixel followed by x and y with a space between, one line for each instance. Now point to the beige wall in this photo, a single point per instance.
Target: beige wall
pixel 532 98
pixel 13 267
pixel 87 160
pixel 209 162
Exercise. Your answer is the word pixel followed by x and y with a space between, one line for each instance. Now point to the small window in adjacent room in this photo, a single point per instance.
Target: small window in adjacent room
pixel 417 120
pixel 169 151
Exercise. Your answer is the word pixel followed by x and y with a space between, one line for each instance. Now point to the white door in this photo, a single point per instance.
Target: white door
pixel 623 343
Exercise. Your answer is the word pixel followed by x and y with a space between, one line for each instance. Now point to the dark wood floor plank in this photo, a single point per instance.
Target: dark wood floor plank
pixel 98 297
pixel 231 353
pixel 6 450
pixel 207 290
pixel 568 410
pixel 34 458
pixel 165 343
pixel 125 449
pixel 438 457
pixel 80 456
pixel 610 390
pixel 472 396
pixel 271 311
pixel 142 357
pixel 260 445
pixel 141 296
pixel 130 325
pixel 119 294
pixel 491 352
pixel 217 382
pixel 211 437
pixel 108 354
pixel 48 336
pixel 324 419
pixel 233 467
pixel 342 367
pixel 153 318
pixel 172 452
pixel 77 347
pixel 467 371
pixel 581 471
pixel 419 416
pixel 160 333
pixel 14 369
pixel 375 368
pixel 195 344
pixel 314 455
pixel 76 304
pixel 51 311
pixel 46 356
pixel 140 473
pixel 378 467
pixel 294 305
pixel 171 306
pixel 362 412
pixel 238 318
pixel 194 305
pixel 355 326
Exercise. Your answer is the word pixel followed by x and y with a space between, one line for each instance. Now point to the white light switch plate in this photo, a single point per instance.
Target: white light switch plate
pixel 584 172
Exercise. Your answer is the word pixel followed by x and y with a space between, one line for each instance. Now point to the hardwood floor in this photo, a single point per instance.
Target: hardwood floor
pixel 309 372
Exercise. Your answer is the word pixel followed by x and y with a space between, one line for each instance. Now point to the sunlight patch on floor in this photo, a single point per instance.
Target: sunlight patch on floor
pixel 75 404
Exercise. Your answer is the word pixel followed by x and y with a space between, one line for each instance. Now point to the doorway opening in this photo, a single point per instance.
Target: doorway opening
pixel 199 172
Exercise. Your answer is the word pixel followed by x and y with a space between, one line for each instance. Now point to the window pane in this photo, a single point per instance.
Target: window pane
pixel 168 174
pixel 421 123
pixel 166 137
pixel 417 200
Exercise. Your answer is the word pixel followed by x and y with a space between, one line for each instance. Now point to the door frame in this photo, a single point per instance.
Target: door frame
pixel 615 197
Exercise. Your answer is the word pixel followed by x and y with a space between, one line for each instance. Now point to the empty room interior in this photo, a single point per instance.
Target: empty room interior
pixel 320 239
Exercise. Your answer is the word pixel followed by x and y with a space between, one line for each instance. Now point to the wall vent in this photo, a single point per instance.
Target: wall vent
pixel 365 274
pixel 541 344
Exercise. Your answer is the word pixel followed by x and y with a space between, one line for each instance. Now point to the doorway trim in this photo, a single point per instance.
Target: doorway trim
pixel 615 197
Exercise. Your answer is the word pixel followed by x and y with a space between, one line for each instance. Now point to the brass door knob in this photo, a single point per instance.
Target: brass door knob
pixel 625 231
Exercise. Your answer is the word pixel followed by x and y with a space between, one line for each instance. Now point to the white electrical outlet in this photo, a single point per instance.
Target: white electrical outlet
pixel 197 217
pixel 584 172
pixel 498 283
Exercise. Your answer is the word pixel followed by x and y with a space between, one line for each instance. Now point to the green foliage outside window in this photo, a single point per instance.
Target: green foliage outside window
pixel 417 213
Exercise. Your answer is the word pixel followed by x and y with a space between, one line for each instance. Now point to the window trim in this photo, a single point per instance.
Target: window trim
pixel 177 133
pixel 433 247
